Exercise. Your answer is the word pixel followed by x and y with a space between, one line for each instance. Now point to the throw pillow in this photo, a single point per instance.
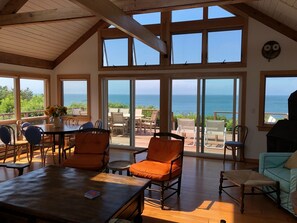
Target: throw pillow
pixel 292 161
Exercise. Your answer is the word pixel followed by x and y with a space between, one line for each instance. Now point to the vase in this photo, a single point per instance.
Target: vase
pixel 57 121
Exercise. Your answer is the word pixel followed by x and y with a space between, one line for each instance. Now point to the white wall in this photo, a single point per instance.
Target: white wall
pixel 258 35
pixel 83 61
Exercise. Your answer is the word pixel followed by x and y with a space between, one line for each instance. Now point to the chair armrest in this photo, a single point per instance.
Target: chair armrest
pixel 270 160
pixel 137 153
pixel 171 164
pixel 293 180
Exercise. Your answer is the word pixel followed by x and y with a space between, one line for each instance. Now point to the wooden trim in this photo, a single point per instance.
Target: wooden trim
pixel 144 6
pixel 263 75
pixel 49 15
pixel 99 25
pixel 10 58
pixel 174 67
pixel 12 6
pixel 266 20
pixel 115 16
pixel 74 77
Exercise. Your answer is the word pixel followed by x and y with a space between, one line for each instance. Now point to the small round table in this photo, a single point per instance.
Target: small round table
pixel 119 165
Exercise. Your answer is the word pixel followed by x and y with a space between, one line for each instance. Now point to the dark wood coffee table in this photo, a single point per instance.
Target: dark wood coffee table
pixel 56 194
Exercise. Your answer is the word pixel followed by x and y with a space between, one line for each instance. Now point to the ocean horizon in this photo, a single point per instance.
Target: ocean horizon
pixel 186 104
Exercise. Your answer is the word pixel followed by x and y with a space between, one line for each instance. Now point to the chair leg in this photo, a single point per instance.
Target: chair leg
pixel 233 154
pixel 179 186
pixel 225 148
pixel 5 154
pixel 162 195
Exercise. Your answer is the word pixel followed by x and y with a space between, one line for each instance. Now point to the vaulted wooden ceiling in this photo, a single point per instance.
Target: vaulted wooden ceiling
pixel 42 33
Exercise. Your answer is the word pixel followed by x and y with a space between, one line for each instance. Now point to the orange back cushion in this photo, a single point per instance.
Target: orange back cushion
pixel 164 150
pixel 88 142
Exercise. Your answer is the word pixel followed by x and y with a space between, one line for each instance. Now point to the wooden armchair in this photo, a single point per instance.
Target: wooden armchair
pixel 91 150
pixel 163 164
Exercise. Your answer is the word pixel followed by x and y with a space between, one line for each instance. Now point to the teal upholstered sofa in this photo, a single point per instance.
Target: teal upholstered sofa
pixel 272 165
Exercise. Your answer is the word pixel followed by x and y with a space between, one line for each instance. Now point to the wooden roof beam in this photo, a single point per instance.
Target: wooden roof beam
pixel 43 16
pixel 10 7
pixel 246 10
pixel 141 6
pixel 115 16
pixel 10 58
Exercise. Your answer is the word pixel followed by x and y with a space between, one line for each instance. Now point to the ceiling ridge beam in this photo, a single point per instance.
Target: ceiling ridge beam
pixel 109 12
pixel 43 16
pixel 247 10
pixel 10 58
pixel 99 25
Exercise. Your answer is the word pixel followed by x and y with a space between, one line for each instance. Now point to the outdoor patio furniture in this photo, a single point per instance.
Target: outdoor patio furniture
pixel 151 122
pixel 163 164
pixel 118 122
pixel 214 129
pixel 239 135
pixel 186 125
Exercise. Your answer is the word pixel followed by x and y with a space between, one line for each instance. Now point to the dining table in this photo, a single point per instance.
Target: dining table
pixel 59 131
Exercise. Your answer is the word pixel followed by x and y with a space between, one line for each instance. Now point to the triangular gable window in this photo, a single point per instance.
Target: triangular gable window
pixel 215 12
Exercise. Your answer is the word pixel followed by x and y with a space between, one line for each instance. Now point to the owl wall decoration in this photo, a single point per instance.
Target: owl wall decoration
pixel 271 50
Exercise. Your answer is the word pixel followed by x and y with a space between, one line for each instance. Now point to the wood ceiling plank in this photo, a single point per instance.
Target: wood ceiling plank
pixel 266 20
pixel 115 16
pixel 12 6
pixel 140 6
pixel 99 25
pixel 43 16
pixel 10 58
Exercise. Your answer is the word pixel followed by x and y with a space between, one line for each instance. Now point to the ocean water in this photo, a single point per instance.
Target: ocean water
pixel 185 104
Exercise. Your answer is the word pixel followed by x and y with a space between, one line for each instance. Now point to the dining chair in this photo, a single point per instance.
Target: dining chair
pixel 163 164
pixel 98 124
pixel 91 150
pixel 36 138
pixel 239 135
pixel 86 125
pixel 8 137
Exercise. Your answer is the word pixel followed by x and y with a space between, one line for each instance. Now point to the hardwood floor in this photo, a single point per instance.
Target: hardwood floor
pixel 199 201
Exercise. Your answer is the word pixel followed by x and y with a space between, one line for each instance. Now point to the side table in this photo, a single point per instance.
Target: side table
pixel 248 178
pixel 119 165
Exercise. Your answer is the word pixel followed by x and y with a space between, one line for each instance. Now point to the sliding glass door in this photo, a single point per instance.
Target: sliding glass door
pixel 205 110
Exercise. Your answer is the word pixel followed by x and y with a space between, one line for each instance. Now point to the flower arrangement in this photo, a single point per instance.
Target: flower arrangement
pixel 55 111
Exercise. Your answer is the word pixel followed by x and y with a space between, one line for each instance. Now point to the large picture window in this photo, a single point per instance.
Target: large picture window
pixel 74 94
pixel 23 97
pixel 276 88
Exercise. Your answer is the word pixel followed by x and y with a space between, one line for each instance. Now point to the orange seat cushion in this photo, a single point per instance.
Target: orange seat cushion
pixel 153 170
pixel 164 150
pixel 86 161
pixel 86 142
